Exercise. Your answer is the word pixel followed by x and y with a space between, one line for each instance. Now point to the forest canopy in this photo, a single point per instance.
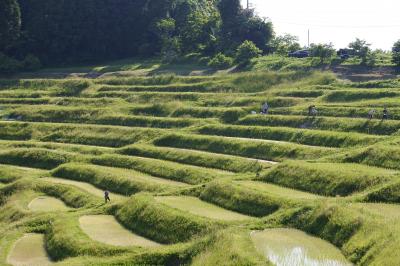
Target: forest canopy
pixel 59 32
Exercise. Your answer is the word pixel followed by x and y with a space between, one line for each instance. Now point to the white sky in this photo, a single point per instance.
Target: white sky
pixel 339 21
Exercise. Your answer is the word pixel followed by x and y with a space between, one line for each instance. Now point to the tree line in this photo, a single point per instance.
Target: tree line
pixel 62 32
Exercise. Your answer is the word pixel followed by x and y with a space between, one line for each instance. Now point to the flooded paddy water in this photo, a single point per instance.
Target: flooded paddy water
pixel 289 247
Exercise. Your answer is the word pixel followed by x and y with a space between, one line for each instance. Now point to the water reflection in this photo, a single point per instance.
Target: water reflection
pixel 288 247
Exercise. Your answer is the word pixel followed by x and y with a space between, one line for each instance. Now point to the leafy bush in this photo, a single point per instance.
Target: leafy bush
pixel 220 61
pixel 247 51
pixel 9 65
pixel 31 63
pixel 396 53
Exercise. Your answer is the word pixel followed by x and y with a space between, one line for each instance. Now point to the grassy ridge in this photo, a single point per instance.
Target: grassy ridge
pixel 95 116
pixel 324 123
pixel 242 200
pixel 301 136
pixel 88 135
pixel 64 238
pixel 142 214
pixel 255 149
pixel 169 170
pixel 364 237
pixel 327 178
pixel 382 155
pixel 35 158
pixel 107 178
pixel 223 162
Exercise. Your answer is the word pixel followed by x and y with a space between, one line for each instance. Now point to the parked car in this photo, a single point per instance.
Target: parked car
pixel 345 53
pixel 300 54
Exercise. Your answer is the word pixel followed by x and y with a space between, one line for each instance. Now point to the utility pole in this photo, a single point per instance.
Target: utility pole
pixel 248 4
pixel 308 38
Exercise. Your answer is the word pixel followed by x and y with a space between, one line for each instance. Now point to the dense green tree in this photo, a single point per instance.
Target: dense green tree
pixel 285 44
pixel 239 25
pixel 322 51
pixel 65 32
pixel 362 49
pixel 247 51
pixel 396 53
pixel 10 23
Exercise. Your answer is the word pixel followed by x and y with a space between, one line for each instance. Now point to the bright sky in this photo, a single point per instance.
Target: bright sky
pixel 339 21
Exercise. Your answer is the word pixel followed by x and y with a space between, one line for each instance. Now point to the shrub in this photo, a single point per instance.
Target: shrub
pixel 396 53
pixel 247 51
pixel 9 65
pixel 220 61
pixel 31 63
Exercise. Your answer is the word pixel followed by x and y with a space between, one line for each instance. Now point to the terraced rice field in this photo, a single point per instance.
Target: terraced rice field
pixel 105 229
pixel 47 204
pixel 29 250
pixel 195 177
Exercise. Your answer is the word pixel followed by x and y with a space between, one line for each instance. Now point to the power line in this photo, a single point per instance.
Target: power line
pixel 335 26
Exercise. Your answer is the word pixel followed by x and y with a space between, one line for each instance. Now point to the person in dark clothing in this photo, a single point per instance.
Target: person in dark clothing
pixel 107 196
pixel 264 108
pixel 310 110
pixel 371 114
pixel 385 114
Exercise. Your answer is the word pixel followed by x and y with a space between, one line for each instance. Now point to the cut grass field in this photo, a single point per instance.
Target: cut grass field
pixel 105 229
pixel 29 250
pixel 198 207
pixel 193 169
pixel 84 186
pixel 47 204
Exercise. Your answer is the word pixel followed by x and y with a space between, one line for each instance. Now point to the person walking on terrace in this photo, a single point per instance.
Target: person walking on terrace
pixel 264 108
pixel 312 111
pixel 371 114
pixel 107 196
pixel 385 114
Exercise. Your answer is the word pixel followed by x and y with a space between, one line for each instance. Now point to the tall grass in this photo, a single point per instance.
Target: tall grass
pixel 251 149
pixel 301 136
pixel 327 179
pixel 143 215
pixel 216 161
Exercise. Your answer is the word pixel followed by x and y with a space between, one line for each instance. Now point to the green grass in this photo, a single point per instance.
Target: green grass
pixel 46 204
pixel 324 123
pixel 168 170
pixel 243 200
pixel 105 229
pixel 251 149
pixel 195 206
pixel 301 136
pixel 189 167
pixel 144 215
pixel 37 253
pixel 203 159
pixel 328 179
pixel 115 180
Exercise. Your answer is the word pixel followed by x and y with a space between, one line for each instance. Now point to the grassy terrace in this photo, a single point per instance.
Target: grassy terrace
pixel 194 177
